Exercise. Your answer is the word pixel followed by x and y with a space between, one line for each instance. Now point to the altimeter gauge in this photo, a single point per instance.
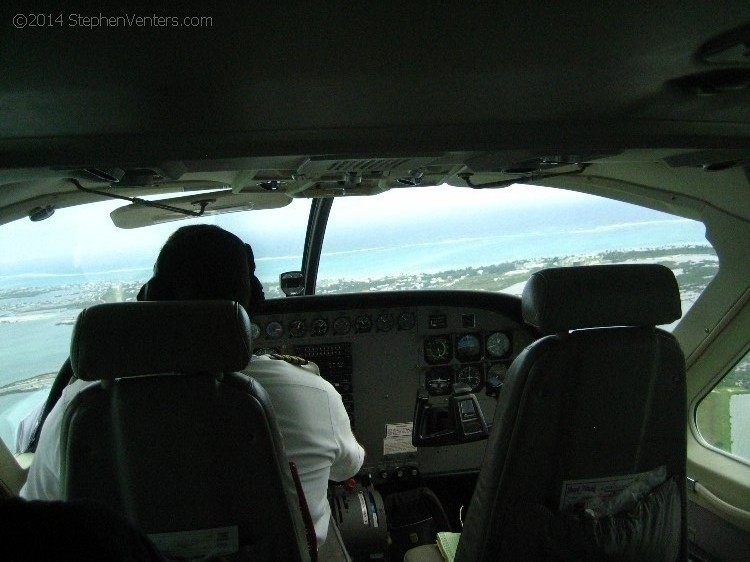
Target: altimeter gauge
pixel 498 344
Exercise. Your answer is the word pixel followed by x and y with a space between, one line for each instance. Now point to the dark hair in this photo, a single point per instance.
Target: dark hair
pixel 204 262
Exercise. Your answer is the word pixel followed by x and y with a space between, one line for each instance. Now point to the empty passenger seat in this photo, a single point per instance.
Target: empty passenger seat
pixel 595 408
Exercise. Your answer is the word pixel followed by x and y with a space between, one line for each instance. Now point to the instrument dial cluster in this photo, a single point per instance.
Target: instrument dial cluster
pixel 469 357
pixel 318 326
pixel 378 349
pixel 455 344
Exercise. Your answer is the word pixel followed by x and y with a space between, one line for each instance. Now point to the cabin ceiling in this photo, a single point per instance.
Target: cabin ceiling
pixel 649 94
pixel 271 78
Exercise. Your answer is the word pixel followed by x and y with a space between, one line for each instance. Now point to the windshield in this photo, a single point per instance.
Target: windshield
pixel 405 239
pixel 77 258
pixel 448 237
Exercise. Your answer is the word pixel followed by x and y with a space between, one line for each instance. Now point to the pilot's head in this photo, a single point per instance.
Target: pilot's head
pixel 204 262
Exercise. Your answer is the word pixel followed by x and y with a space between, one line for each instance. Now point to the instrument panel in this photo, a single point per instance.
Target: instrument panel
pixel 379 349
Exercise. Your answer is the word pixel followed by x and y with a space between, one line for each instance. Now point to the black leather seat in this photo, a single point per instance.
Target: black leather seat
pixel 601 396
pixel 174 437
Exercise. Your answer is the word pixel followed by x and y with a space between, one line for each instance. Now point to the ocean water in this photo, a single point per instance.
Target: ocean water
pixel 34 346
pixel 476 251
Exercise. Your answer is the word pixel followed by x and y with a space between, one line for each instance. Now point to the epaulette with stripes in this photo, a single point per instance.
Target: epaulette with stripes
pixel 293 359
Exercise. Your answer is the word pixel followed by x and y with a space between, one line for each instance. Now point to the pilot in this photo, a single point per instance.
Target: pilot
pixel 207 262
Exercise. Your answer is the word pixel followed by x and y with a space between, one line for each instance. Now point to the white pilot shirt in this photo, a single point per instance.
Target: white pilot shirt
pixel 310 415
pixel 317 433
pixel 43 481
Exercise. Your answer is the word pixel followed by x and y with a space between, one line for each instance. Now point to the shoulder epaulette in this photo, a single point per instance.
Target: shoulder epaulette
pixel 293 359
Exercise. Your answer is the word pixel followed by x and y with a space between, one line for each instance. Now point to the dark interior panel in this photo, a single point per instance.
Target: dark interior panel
pixel 713 539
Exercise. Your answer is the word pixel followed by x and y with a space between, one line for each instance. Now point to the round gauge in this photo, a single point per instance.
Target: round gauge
pixel 384 322
pixel 297 328
pixel 438 381
pixel 498 344
pixel 470 375
pixel 495 378
pixel 342 325
pixel 468 348
pixel 274 330
pixel 406 321
pixel 254 331
pixel 437 349
pixel 319 327
pixel 362 324
pixel 498 370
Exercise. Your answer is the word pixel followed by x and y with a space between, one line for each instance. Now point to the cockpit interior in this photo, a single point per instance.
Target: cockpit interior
pixel 515 239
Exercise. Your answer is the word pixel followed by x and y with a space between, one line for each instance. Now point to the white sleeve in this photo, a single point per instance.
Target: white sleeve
pixel 43 480
pixel 350 455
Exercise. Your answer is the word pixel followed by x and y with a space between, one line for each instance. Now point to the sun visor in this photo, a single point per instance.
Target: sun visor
pixel 137 215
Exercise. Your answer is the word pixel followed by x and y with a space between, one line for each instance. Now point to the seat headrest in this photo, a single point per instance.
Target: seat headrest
pixel 140 338
pixel 596 296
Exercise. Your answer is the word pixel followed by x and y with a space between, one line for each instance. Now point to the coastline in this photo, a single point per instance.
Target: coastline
pixel 694 266
pixel 37 382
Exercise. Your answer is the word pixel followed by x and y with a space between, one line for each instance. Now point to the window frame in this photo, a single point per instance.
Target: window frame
pixel 736 359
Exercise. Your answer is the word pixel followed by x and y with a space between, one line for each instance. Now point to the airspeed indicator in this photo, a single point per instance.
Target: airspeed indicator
pixel 437 350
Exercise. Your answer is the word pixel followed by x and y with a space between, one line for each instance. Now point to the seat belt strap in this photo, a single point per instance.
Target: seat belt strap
pixel 312 540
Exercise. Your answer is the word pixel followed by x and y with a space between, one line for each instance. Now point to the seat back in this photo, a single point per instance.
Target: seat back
pixel 173 437
pixel 599 399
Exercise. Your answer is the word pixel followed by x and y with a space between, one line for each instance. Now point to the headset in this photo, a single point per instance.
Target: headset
pixel 157 288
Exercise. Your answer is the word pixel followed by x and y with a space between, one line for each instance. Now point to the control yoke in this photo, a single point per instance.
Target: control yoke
pixel 461 421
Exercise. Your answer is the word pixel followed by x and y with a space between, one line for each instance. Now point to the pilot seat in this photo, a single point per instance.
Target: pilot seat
pixel 174 437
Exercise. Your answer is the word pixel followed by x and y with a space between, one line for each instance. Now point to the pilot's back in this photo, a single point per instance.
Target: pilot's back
pixel 315 426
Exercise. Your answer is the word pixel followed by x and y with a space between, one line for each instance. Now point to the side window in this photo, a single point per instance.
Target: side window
pixel 723 416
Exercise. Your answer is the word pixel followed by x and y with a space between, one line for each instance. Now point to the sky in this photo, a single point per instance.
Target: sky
pixel 85 234
pixel 85 239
